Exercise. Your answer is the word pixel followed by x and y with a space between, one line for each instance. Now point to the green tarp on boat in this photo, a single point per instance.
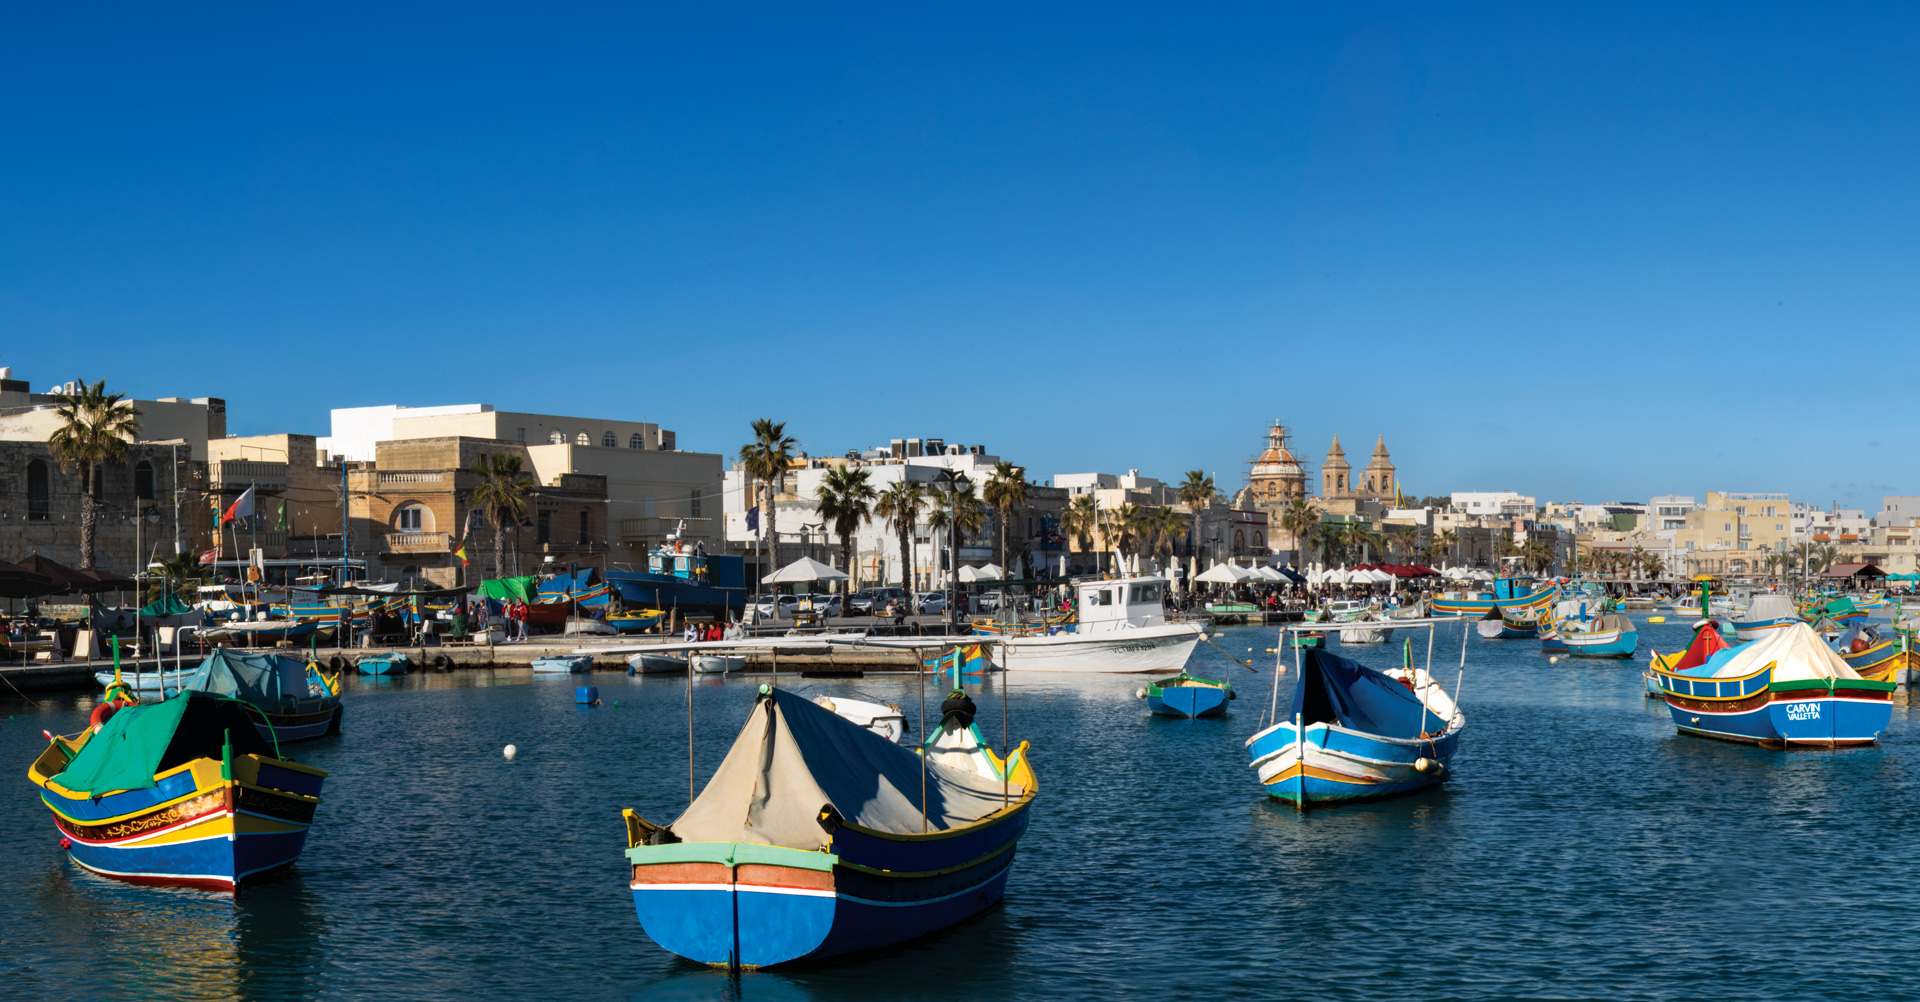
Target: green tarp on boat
pixel 265 680
pixel 524 589
pixel 167 605
pixel 1833 607
pixel 139 741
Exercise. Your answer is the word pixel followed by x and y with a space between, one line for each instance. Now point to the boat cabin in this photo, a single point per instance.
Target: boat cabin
pixel 1118 604
pixel 676 560
pixel 1512 588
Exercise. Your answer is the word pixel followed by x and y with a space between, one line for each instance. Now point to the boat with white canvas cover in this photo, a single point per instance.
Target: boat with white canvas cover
pixel 1765 614
pixel 1122 629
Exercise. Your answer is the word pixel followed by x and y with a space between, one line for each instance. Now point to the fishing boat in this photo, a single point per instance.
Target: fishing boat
pixel 1186 696
pixel 1231 611
pixel 963 659
pixel 292 699
pixel 644 663
pixel 1785 689
pixel 717 664
pixel 253 633
pixel 563 664
pixel 1121 627
pixel 1707 642
pixel 182 791
pixel 1346 610
pixel 884 719
pixel 1841 610
pixel 684 576
pixel 1516 596
pixel 1496 625
pixel 390 663
pixel 1765 613
pixel 1363 631
pixel 635 620
pixel 1863 651
pixel 816 838
pixel 1608 636
pixel 1310 640
pixel 1367 734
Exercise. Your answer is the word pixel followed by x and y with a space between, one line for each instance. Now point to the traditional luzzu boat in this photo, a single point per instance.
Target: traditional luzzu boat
pixel 1863 651
pixel 1608 636
pixel 635 620
pixel 292 699
pixel 1841 610
pixel 182 791
pixel 1764 614
pixel 817 837
pixel 1186 696
pixel 1707 642
pixel 1785 689
pixel 1496 625
pixel 1517 596
pixel 390 663
pixel 1368 734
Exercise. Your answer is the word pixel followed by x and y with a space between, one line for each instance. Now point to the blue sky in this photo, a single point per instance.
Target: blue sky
pixel 1602 252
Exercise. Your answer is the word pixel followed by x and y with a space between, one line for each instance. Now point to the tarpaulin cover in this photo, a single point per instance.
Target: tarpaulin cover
pixel 793 758
pixel 1795 652
pixel 509 589
pixel 165 605
pixel 1707 642
pixel 1765 607
pixel 1835 607
pixel 259 678
pixel 1333 690
pixel 139 741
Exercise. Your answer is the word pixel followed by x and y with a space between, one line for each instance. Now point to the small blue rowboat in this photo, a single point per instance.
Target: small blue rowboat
pixel 1186 696
pixel 1608 636
pixel 180 792
pixel 1785 689
pixel 563 664
pixel 390 663
pixel 1368 734
pixel 1495 626
pixel 813 840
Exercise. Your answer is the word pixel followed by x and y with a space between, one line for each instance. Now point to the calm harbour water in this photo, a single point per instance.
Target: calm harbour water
pixel 1583 850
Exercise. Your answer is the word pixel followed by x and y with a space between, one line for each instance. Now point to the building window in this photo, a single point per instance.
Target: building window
pixel 608 441
pixel 583 528
pixel 556 437
pixel 546 527
pixel 143 480
pixel 693 505
pixel 1239 540
pixel 411 517
pixel 38 495
pixel 635 441
pixel 583 439
pixel 1259 540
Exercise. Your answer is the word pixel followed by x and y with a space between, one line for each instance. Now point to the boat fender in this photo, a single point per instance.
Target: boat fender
pixel 1424 764
pixel 441 662
pixel 1232 695
pixel 1140 693
pixel 830 819
pixel 1554 660
pixel 101 714
pixel 959 708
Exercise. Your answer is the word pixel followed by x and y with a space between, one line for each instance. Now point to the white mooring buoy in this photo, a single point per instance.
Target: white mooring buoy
pixel 510 751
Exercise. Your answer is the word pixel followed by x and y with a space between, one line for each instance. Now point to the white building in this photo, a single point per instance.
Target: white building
pixel 1668 512
pixel 1497 503
pixel 1899 510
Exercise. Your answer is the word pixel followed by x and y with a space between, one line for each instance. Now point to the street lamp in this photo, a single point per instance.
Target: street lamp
pixel 956 483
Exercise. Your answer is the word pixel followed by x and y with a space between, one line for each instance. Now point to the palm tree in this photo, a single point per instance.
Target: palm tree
pixel 846 499
pixel 501 495
pixel 1006 491
pixel 1332 540
pixel 1403 540
pixel 900 505
pixel 1167 526
pixel 764 460
pixel 1449 543
pixel 1299 518
pixel 1196 492
pixel 1080 520
pixel 186 574
pixel 963 512
pixel 96 428
pixel 1124 528
pixel 1823 557
pixel 1652 565
pixel 1361 539
pixel 1538 555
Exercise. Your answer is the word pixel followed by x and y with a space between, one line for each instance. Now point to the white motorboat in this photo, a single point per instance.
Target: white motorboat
pixel 1347 610
pixel 1122 628
pixel 1363 631
pixel 165 682
pixel 717 664
pixel 645 663
pixel 881 718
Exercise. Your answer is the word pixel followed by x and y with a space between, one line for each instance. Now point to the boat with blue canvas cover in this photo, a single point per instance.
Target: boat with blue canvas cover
pixel 295 699
pixel 1763 614
pixel 390 663
pixel 1367 734
pixel 813 839
pixel 1186 696
pixel 1785 689
pixel 1518 597
pixel 181 792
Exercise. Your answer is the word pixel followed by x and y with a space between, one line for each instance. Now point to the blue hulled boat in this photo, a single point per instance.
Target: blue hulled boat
pixel 1368 734
pixel 1608 636
pixel 1186 696
pixel 1514 596
pixel 390 663
pixel 812 840
pixel 182 791
pixel 1764 614
pixel 1498 625
pixel 563 664
pixel 1787 688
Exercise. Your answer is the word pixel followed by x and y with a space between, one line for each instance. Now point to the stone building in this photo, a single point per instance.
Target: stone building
pixel 40 507
pixel 1376 483
pixel 296 495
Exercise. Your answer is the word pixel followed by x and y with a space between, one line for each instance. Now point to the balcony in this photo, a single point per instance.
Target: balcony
pixel 415 479
pixel 417 542
pixel 639 530
pixel 274 542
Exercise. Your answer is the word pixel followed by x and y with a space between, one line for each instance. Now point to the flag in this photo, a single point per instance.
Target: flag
pixel 242 507
pixel 207 557
pixel 753 520
pixel 466 534
pixel 281 525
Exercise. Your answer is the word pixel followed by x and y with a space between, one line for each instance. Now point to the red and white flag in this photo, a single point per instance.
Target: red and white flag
pixel 241 507
pixel 209 556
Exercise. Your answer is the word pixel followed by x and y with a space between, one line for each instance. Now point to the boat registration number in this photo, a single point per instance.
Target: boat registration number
pixel 1803 711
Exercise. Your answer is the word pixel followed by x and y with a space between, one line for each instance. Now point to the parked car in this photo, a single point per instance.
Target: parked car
pixel 869 601
pixel 825 605
pixel 786 604
pixel 931 603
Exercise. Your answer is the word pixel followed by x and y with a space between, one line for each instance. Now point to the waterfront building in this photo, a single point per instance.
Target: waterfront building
pixel 296 513
pixel 1504 504
pixel 1898 510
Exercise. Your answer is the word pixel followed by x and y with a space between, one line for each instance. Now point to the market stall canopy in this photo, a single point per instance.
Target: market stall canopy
pixel 804 569
pixel 1224 574
pixel 19 582
pixel 1853 571
pixel 1269 574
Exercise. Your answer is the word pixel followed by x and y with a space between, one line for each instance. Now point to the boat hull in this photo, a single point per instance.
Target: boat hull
pixel 384 666
pixel 717 664
pixel 1876 662
pixel 1189 701
pixel 1607 644
pixel 563 665
pixel 1342 765
pixel 1149 650
pixel 1848 712
pixel 1755 629
pixel 655 664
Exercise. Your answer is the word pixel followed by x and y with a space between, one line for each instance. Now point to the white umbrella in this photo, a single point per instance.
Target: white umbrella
pixel 1331 576
pixel 1224 574
pixel 987 573
pixel 804 569
pixel 1481 575
pixel 1379 577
